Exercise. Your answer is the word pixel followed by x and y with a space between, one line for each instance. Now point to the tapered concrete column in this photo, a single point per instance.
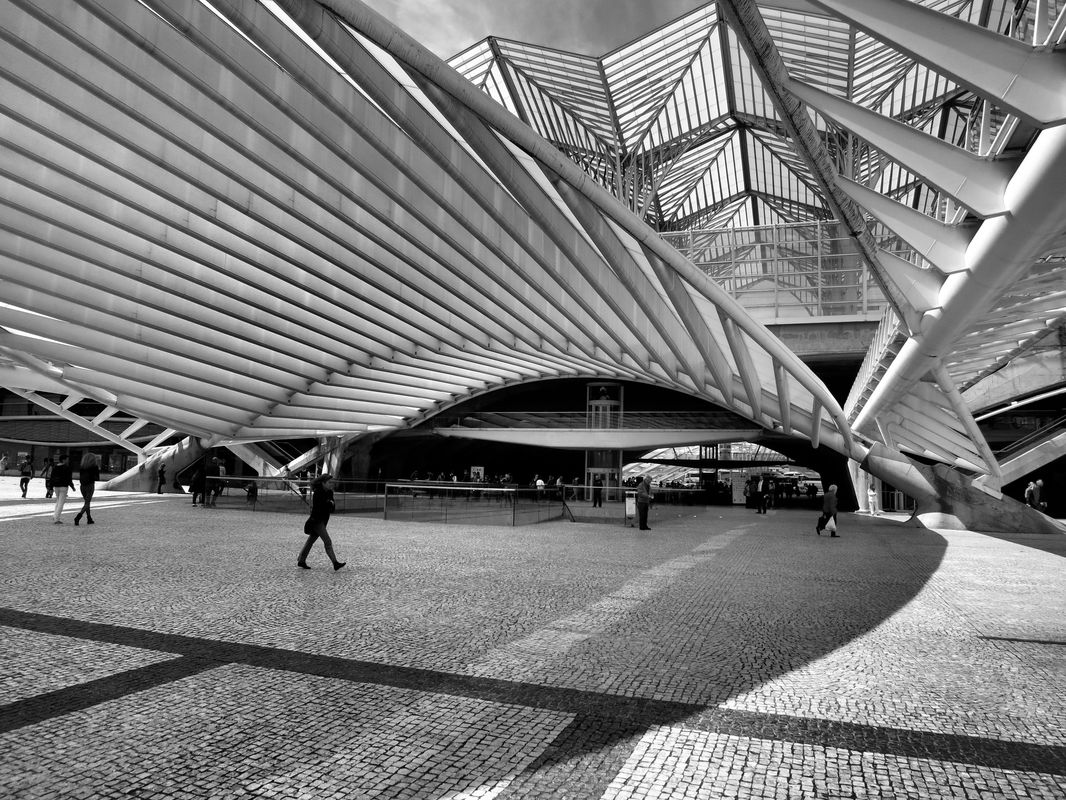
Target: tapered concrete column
pixel 357 454
pixel 946 498
pixel 143 477
pixel 860 480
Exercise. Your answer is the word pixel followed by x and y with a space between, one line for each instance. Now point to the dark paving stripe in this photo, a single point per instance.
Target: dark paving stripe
pixel 612 716
pixel 39 708
pixel 1022 641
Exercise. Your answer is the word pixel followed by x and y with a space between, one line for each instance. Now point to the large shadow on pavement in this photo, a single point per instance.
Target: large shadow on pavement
pixel 767 603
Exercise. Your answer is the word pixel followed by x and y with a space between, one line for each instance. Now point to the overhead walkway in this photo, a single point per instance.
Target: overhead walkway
pixel 640 430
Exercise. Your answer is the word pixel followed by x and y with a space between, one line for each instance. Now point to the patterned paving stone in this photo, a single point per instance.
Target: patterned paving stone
pixel 237 731
pixel 686 764
pixel 33 663
pixel 722 654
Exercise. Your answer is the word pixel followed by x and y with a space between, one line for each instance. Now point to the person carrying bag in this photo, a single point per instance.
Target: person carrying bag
pixel 829 513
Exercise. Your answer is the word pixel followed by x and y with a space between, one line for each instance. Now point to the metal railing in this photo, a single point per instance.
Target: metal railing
pixel 628 420
pixel 472 503
pixel 786 272
pixel 1031 439
pixel 289 495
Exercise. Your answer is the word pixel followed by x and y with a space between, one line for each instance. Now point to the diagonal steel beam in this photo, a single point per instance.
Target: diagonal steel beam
pixel 80 421
pixel 746 21
pixel 416 57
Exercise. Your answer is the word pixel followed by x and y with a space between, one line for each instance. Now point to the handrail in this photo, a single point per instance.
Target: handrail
pixel 1031 438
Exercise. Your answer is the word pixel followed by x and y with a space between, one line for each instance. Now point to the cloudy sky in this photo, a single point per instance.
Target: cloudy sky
pixel 593 27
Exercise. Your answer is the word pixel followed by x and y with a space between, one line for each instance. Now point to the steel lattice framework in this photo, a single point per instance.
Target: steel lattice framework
pixel 699 123
pixel 248 221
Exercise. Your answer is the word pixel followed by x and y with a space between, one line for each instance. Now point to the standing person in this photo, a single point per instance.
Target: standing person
pixel 88 475
pixel 46 473
pixel 597 492
pixel 212 489
pixel 759 487
pixel 1039 503
pixel 62 480
pixel 3 463
pixel 829 511
pixel 161 479
pixel 25 474
pixel 872 499
pixel 196 486
pixel 1030 494
pixel 315 527
pixel 643 502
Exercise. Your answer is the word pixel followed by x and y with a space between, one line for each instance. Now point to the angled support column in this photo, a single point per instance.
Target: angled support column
pixel 781 378
pixel 745 20
pixel 748 374
pixel 175 458
pixel 70 416
pixel 943 246
pixel 958 405
pixel 1003 249
pixel 975 182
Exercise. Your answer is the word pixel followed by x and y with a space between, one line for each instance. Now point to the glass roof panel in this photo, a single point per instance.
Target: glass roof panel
pixel 644 75
pixel 698 100
pixel 816 50
pixel 672 93
pixel 750 97
pixel 573 80
pixel 553 120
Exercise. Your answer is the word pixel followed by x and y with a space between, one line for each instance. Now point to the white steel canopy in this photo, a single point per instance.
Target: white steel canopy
pixel 247 223
pixel 211 226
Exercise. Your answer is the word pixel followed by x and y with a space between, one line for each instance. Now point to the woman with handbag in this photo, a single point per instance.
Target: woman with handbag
pixel 321 507
pixel 828 520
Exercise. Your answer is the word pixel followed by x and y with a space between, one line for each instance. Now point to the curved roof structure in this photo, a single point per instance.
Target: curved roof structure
pixel 249 220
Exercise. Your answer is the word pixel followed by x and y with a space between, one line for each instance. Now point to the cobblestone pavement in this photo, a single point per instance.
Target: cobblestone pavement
pixel 172 652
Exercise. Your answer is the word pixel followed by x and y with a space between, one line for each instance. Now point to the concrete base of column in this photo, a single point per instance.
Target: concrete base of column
pixel 144 477
pixel 960 505
pixel 946 498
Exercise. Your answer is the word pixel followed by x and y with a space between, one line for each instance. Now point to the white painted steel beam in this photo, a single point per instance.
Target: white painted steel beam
pixel 417 58
pixel 975 182
pixel 1001 251
pixel 78 420
pixel 944 246
pixel 947 386
pixel 1018 77
pixel 582 438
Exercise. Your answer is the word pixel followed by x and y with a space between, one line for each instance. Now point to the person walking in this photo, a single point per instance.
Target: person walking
pixel 161 479
pixel 88 475
pixel 46 473
pixel 25 474
pixel 643 503
pixel 62 481
pixel 829 511
pixel 315 527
